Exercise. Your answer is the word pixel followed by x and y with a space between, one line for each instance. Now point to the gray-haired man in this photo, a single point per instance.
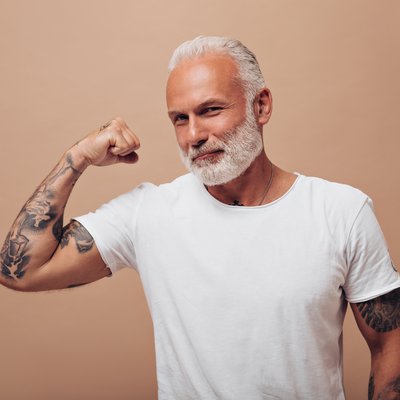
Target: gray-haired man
pixel 247 268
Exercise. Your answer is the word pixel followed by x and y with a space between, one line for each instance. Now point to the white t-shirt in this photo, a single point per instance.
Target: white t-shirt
pixel 247 302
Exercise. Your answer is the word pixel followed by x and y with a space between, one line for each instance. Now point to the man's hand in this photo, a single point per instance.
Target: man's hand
pixel 113 143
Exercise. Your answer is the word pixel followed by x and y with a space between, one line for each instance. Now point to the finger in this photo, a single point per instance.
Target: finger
pixel 117 143
pixel 126 152
pixel 131 144
pixel 130 158
pixel 117 151
pixel 121 122
pixel 132 140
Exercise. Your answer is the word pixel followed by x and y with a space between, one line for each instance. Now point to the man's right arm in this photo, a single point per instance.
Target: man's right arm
pixel 39 253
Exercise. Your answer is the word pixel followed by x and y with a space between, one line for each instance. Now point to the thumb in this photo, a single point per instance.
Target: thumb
pixel 130 158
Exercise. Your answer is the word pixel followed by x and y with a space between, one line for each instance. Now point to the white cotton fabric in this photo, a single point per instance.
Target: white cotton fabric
pixel 247 302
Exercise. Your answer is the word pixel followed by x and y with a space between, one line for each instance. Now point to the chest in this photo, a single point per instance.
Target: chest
pixel 216 263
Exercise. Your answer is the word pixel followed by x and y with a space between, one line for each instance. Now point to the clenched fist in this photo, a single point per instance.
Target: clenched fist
pixel 114 142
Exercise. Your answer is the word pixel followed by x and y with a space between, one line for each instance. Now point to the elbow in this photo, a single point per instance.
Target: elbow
pixel 19 285
pixel 11 284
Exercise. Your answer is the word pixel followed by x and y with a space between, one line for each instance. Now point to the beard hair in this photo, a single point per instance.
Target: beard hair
pixel 241 146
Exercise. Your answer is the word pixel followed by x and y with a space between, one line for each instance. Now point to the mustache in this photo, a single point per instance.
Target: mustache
pixel 210 147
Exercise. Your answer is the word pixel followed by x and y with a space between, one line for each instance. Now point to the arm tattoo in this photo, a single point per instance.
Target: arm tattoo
pixel 58 227
pixel 83 239
pixel 371 387
pixel 383 313
pixel 35 217
pixel 391 391
pixel 105 126
pixel 13 255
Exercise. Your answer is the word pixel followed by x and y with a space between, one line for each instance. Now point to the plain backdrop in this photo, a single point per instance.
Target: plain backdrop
pixel 67 67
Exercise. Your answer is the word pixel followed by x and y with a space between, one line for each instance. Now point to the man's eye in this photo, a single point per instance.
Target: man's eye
pixel 210 110
pixel 180 117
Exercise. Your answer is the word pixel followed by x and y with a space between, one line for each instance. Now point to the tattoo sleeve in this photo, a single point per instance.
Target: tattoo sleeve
pixel 83 239
pixel 390 391
pixel 371 387
pixel 383 313
pixel 37 229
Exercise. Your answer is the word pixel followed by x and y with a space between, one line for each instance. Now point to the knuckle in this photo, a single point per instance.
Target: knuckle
pixel 119 121
pixel 115 125
pixel 134 142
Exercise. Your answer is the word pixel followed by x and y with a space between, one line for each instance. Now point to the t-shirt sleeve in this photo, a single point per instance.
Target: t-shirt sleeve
pixel 112 227
pixel 370 272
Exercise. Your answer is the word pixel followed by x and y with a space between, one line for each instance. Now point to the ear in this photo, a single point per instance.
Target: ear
pixel 263 106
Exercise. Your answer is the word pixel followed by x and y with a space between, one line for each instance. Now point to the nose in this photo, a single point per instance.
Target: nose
pixel 197 134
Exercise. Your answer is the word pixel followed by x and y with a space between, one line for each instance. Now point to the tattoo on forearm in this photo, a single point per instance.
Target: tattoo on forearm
pixel 35 216
pixel 83 239
pixel 105 126
pixel 383 313
pixel 391 391
pixel 58 227
pixel 13 255
pixel 371 387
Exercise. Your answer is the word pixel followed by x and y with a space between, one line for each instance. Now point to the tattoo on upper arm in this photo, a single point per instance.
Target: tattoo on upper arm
pixel 35 216
pixel 383 313
pixel 371 387
pixel 83 239
pixel 391 391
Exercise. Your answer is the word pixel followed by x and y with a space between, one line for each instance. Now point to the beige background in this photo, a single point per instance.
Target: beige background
pixel 69 66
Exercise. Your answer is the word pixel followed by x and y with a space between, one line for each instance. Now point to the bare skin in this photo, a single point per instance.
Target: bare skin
pixel 38 253
pixel 379 322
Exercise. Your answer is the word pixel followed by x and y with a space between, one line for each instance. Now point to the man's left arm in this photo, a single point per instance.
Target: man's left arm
pixel 379 322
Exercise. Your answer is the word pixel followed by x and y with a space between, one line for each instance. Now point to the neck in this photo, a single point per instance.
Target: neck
pixel 249 188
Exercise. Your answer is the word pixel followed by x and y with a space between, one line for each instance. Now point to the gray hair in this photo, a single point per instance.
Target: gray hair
pixel 249 71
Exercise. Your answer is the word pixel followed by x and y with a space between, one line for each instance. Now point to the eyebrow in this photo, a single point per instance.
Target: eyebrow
pixel 205 103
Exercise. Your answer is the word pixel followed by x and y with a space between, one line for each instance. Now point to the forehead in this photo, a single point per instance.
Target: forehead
pixel 208 76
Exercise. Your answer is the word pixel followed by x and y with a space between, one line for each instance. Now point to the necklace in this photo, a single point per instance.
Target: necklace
pixel 266 190
pixel 271 177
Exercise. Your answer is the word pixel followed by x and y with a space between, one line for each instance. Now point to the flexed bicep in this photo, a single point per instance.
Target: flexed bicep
pixel 75 262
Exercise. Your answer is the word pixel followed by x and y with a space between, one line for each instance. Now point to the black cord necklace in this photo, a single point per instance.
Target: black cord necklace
pixel 238 203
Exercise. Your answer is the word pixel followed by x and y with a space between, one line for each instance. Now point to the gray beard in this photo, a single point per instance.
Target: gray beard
pixel 241 146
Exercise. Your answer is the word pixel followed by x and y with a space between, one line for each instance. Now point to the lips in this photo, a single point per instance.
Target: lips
pixel 209 154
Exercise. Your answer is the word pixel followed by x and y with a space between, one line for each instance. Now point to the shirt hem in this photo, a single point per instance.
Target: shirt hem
pixel 375 293
pixel 99 243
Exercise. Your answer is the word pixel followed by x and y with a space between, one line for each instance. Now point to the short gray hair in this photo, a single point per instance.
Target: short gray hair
pixel 249 71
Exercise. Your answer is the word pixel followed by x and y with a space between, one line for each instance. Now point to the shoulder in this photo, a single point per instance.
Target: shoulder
pixel 168 192
pixel 338 204
pixel 180 183
pixel 334 194
pixel 178 186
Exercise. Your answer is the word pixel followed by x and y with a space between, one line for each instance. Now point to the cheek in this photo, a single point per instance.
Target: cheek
pixel 180 139
pixel 227 122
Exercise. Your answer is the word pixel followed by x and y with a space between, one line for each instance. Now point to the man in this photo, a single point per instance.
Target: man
pixel 247 268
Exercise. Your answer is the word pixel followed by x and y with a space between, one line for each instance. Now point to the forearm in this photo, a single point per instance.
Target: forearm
pixel 36 231
pixel 384 382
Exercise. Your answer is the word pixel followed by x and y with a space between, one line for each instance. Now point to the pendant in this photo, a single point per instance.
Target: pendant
pixel 236 203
